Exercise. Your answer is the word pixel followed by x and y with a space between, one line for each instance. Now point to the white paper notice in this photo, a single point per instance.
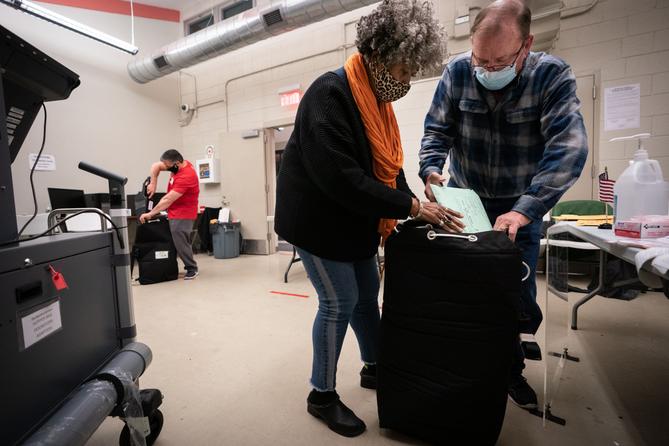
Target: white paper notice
pixel 41 323
pixel 46 162
pixel 622 107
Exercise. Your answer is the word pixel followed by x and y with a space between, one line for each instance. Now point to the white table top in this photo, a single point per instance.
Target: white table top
pixel 606 240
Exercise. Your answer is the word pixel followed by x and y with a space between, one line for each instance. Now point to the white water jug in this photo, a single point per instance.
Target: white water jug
pixel 641 189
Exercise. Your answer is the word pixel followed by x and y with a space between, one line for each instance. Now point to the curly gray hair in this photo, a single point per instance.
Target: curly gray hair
pixel 402 31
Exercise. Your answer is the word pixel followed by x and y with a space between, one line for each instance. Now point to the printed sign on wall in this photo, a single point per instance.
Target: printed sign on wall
pixel 622 107
pixel 46 162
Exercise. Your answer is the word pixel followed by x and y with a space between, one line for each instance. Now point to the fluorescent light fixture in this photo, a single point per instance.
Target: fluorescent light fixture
pixel 60 20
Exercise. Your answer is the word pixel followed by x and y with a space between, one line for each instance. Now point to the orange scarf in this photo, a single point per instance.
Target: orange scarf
pixel 381 128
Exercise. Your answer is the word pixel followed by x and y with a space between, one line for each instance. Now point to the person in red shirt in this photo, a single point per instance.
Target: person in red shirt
pixel 181 204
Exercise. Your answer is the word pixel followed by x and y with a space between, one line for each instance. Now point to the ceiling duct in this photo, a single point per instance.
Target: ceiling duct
pixel 241 30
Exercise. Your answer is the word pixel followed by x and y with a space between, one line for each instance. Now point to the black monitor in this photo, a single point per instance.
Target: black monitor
pixel 66 198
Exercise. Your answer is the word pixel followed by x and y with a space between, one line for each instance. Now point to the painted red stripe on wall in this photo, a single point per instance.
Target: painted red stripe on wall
pixel 122 7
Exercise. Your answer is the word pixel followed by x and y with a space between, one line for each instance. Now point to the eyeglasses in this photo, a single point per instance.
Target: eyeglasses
pixel 502 66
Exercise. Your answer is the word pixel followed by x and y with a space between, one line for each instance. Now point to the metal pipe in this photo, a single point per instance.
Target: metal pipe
pixel 76 421
pixel 102 173
pixel 52 218
pixel 127 331
pixel 182 72
pixel 236 32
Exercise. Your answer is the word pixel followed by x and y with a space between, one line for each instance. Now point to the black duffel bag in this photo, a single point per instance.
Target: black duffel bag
pixel 449 324
pixel 155 253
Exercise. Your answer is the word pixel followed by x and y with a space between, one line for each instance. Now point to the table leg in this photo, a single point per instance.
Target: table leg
pixel 593 293
pixel 290 264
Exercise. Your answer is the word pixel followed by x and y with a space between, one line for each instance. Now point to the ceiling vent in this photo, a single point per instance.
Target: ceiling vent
pixel 272 18
pixel 160 62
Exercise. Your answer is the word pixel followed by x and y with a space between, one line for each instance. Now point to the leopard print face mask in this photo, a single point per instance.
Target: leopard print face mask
pixel 387 88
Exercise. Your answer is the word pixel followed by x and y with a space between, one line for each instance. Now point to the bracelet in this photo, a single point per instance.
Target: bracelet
pixel 420 210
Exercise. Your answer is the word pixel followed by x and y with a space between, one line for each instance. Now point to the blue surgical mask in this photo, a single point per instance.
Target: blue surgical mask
pixel 495 80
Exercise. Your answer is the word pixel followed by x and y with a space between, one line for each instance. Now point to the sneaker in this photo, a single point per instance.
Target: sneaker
pixel 327 406
pixel 368 376
pixel 190 275
pixel 521 394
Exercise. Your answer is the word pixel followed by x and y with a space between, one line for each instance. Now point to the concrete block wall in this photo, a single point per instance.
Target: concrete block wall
pixel 624 42
pixel 251 79
pixel 619 41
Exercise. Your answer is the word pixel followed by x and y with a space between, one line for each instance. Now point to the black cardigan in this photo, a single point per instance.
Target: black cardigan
pixel 328 201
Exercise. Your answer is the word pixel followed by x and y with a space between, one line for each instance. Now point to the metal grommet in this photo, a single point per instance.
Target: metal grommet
pixel 529 271
pixel 472 238
pixel 431 235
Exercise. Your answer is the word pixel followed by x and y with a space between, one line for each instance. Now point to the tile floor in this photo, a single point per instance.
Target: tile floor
pixel 233 361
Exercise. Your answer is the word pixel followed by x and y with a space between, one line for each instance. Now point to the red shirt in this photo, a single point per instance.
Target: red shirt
pixel 185 182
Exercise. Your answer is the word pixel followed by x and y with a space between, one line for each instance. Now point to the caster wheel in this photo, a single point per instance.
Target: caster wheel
pixel 155 421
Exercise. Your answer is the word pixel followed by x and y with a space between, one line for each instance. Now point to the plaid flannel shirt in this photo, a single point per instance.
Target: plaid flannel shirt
pixel 530 144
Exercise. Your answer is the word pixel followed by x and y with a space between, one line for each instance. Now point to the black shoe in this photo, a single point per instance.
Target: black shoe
pixel 531 351
pixel 521 394
pixel 190 275
pixel 335 414
pixel 368 376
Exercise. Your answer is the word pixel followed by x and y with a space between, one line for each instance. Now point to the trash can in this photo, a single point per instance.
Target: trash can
pixel 226 238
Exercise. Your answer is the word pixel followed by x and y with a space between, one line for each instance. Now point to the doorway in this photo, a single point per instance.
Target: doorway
pixel 584 188
pixel 275 144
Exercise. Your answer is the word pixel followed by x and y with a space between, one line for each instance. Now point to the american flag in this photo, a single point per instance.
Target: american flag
pixel 606 187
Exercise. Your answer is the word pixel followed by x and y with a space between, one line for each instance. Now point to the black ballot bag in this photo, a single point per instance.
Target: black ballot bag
pixel 155 253
pixel 448 329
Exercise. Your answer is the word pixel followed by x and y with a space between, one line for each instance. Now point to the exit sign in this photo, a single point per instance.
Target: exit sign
pixel 290 99
pixel 290 96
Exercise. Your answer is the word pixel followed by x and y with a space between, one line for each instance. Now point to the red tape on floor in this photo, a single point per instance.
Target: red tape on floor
pixel 303 296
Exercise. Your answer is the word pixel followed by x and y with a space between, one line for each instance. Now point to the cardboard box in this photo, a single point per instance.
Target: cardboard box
pixel 638 229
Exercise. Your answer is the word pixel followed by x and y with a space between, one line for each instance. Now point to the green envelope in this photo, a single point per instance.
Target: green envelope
pixel 466 202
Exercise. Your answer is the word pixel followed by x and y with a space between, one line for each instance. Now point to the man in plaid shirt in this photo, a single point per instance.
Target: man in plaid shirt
pixel 510 121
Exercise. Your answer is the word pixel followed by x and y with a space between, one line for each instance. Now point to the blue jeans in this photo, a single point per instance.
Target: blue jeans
pixel 527 240
pixel 347 294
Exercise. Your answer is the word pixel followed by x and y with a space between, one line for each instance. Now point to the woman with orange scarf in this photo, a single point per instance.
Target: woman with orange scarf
pixel 341 189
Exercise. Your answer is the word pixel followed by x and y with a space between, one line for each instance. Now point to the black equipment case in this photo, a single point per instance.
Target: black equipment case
pixel 155 253
pixel 449 324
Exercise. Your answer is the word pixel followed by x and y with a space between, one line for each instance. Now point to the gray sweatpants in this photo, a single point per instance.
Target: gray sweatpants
pixel 181 234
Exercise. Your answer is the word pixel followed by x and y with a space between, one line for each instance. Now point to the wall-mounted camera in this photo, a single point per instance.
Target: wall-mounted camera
pixel 187 113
